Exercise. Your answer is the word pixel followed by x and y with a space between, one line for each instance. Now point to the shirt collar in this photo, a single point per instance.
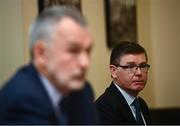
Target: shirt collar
pixel 54 95
pixel 129 98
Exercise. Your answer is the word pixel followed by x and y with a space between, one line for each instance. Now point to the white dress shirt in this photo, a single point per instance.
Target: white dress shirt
pixel 54 95
pixel 129 99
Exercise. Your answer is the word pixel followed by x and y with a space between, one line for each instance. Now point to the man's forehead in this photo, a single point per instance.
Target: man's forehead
pixel 133 57
pixel 70 26
pixel 69 21
pixel 80 45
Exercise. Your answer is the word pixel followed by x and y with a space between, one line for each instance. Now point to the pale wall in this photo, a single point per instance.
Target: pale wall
pixel 165 31
pixel 11 38
pixel 29 12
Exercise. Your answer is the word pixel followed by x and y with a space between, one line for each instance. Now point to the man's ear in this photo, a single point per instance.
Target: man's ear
pixel 39 52
pixel 113 69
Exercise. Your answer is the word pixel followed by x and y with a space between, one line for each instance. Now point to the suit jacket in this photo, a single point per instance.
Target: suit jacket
pixel 23 100
pixel 113 108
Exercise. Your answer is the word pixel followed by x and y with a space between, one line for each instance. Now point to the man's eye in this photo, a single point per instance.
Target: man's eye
pixel 74 50
pixel 143 66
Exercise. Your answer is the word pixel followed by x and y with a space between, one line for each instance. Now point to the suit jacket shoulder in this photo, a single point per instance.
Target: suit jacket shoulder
pixel 24 100
pixel 113 108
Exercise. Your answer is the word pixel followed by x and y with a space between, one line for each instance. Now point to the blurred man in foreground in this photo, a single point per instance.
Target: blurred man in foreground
pixel 52 89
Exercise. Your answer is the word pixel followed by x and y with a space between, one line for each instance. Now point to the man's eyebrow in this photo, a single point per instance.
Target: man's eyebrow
pixel 78 45
pixel 130 62
pixel 136 63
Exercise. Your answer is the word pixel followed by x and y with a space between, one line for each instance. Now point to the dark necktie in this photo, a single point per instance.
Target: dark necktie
pixel 63 112
pixel 137 106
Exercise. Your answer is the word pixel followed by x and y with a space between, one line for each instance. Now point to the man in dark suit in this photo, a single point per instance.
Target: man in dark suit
pixel 52 89
pixel 120 103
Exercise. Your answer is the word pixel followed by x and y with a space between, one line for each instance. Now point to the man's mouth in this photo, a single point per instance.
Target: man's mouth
pixel 79 76
pixel 138 82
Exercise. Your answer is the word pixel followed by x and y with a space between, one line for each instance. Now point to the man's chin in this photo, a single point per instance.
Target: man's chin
pixel 75 86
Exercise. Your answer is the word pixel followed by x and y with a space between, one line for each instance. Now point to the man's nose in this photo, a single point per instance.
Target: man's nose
pixel 84 60
pixel 138 71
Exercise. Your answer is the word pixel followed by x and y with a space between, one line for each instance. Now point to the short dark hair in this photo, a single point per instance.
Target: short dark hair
pixel 124 48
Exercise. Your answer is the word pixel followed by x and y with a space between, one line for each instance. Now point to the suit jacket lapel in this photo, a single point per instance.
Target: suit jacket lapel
pixel 145 111
pixel 44 97
pixel 122 104
pixel 126 109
